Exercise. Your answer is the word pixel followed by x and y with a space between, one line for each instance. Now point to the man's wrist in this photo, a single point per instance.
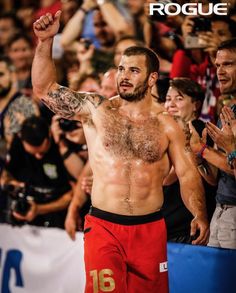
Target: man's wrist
pixel 231 157
pixel 84 10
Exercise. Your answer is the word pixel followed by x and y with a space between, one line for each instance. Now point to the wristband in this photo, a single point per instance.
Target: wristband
pixel 200 153
pixel 83 10
pixel 230 158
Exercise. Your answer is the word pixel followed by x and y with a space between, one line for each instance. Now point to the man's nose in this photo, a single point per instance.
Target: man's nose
pixel 220 70
pixel 125 75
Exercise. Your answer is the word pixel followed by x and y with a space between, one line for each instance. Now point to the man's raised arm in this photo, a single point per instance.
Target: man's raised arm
pixel 59 99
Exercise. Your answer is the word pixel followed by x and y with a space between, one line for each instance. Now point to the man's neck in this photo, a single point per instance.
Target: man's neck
pixel 137 109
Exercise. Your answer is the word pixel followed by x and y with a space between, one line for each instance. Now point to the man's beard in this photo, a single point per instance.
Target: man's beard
pixel 4 91
pixel 138 94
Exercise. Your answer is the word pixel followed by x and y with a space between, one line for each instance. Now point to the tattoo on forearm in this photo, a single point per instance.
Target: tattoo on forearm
pixel 67 103
pixel 186 131
pixel 188 137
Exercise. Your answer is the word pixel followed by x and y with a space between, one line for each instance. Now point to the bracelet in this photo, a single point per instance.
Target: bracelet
pixel 230 158
pixel 200 153
pixel 83 10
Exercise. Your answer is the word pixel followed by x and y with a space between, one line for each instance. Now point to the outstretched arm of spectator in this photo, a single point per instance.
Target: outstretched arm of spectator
pixel 114 18
pixel 73 28
pixel 42 209
pixel 212 156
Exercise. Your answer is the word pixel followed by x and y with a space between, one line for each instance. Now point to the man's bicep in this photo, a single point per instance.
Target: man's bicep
pixel 67 103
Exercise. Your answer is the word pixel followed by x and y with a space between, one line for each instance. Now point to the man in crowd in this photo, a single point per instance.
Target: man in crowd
pixel 223 223
pixel 35 163
pixel 130 142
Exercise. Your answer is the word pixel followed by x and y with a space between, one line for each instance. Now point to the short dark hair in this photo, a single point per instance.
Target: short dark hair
pixel 20 36
pixel 152 60
pixel 230 22
pixel 34 130
pixel 191 88
pixel 11 15
pixel 7 60
pixel 228 45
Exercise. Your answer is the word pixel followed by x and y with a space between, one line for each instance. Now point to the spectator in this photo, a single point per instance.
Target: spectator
pixel 184 100
pixel 108 23
pixel 10 24
pixel 68 8
pixel 20 51
pixel 198 64
pixel 35 162
pixel 25 12
pixel 223 224
pixel 14 106
pixel 225 137
pixel 70 139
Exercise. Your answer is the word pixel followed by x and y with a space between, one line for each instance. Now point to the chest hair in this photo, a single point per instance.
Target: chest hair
pixel 132 139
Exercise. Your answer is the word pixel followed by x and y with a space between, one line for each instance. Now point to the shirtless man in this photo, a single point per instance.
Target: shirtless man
pixel 132 145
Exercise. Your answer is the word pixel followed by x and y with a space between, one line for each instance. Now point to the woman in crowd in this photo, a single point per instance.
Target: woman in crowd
pixel 184 101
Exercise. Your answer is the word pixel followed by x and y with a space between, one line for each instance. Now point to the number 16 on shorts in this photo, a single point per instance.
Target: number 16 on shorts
pixel 102 280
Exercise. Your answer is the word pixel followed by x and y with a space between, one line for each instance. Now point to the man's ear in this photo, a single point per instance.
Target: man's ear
pixel 152 79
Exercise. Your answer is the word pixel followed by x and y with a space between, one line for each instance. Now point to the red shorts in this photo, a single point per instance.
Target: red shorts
pixel 125 254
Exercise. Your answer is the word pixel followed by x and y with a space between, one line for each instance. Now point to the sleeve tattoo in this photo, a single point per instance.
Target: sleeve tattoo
pixel 67 103
pixel 186 131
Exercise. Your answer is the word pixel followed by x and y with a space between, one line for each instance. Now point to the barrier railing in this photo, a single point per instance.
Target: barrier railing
pixel 45 260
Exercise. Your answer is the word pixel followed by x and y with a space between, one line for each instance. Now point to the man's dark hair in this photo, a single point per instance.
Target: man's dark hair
pixel 34 130
pixel 20 36
pixel 11 15
pixel 230 22
pixel 7 60
pixel 191 88
pixel 228 45
pixel 152 60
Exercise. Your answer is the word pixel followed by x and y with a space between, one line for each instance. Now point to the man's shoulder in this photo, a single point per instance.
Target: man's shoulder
pixel 20 101
pixel 20 108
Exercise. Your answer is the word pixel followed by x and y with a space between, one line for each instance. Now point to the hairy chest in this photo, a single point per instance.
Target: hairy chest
pixel 141 139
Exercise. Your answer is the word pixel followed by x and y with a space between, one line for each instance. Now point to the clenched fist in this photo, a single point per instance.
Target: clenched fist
pixel 47 26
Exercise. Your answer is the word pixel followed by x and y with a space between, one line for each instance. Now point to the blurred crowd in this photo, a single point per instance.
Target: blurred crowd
pixel 46 179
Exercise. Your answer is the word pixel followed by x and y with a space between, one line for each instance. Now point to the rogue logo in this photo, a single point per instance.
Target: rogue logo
pixel 187 9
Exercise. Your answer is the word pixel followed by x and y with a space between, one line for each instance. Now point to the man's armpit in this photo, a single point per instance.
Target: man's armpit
pixel 67 103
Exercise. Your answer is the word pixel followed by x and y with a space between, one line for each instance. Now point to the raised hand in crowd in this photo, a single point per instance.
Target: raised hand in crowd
pixel 224 137
pixel 198 145
pixel 187 26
